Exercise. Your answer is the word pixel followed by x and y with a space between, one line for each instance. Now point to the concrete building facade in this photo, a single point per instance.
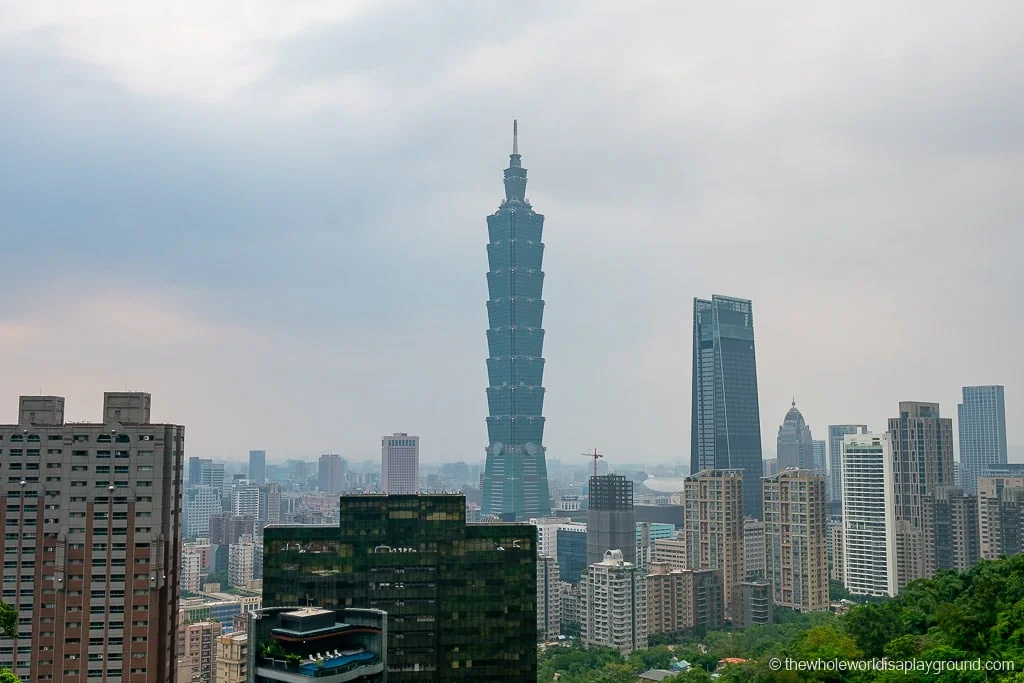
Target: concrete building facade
pixel 198 643
pixel 232 653
pixel 796 538
pixel 753 548
pixel 712 534
pixel 755 604
pixel 93 517
pixel 400 464
pixel 922 444
pixel 615 605
pixel 955 527
pixel 683 601
pixel 1000 515
pixel 549 599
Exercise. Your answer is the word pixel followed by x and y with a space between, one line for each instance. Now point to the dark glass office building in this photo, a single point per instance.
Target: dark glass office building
pixel 725 425
pixel 572 554
pixel 515 475
pixel 461 600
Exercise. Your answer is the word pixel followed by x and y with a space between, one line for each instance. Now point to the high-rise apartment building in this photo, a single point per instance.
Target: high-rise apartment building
pixel 753 548
pixel 332 473
pixel 1000 515
pixel 257 466
pixel 835 544
pixel 205 472
pixel 646 534
pixel 755 604
pixel 611 520
pixel 682 601
pixel 241 562
pixel 191 568
pixel 614 605
pixel 515 472
pixel 270 503
pixel 795 445
pixel 922 443
pixel 836 433
pixel 795 539
pixel 400 463
pixel 955 523
pixel 232 655
pixel 671 551
pixel 869 515
pixel 201 503
pixel 982 422
pixel 245 500
pixel 227 528
pixel 461 600
pixel 92 513
pixel 549 599
pixel 725 425
pixel 198 643
pixel 713 504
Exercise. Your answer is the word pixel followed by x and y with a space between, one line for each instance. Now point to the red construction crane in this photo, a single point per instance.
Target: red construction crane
pixel 595 455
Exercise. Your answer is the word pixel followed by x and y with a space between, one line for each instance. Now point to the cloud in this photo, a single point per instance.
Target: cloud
pixel 286 203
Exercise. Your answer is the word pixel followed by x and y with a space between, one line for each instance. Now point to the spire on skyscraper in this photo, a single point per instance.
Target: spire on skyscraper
pixel 515 174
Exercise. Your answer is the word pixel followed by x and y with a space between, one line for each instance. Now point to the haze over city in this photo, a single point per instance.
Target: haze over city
pixel 272 217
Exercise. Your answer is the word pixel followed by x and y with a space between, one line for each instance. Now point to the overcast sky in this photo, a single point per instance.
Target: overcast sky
pixel 271 215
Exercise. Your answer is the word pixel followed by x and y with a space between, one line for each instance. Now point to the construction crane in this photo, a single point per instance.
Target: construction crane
pixel 595 455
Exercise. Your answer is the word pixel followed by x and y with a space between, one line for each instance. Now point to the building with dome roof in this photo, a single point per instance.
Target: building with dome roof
pixel 795 445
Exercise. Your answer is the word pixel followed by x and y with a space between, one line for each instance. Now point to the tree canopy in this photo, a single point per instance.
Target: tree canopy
pixel 977 615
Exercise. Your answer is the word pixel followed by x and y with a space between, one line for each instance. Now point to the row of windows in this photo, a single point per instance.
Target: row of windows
pixel 102 438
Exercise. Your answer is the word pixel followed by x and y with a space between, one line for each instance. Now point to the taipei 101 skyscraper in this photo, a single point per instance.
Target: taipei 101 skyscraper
pixel 515 476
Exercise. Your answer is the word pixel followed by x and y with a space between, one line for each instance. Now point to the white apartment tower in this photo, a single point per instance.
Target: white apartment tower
pixel 400 463
pixel 869 515
pixel 245 500
pixel 200 503
pixel 614 604
pixel 241 561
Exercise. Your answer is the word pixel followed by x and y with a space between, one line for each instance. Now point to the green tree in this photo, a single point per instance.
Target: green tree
pixel 8 621
pixel 614 673
pixel 7 676
pixel 659 657
pixel 872 626
pixel 904 647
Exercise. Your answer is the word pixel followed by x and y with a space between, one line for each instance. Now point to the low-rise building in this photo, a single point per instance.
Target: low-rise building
pixel 294 644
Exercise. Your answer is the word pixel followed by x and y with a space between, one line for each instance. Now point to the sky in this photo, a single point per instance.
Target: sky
pixel 271 216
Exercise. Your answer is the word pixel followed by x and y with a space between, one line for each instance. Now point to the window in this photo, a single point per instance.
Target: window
pixel 145 468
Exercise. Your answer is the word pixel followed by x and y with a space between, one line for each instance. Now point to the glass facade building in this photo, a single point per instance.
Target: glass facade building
pixel 836 433
pixel 515 475
pixel 572 554
pixel 461 599
pixel 982 421
pixel 725 424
